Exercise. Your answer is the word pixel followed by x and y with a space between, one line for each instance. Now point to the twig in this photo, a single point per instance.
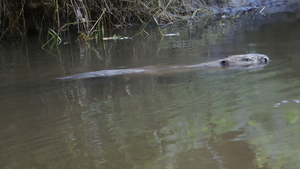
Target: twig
pixel 261 11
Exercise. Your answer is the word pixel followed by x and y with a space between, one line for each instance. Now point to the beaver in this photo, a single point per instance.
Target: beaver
pixel 244 61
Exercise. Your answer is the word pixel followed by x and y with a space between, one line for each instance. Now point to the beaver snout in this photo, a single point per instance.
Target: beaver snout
pixel 264 60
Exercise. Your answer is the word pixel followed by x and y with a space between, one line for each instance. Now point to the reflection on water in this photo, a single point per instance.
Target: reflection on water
pixel 206 119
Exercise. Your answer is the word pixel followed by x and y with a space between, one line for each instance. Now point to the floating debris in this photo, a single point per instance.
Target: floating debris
pixel 277 105
pixel 285 101
pixel 116 38
pixel 296 101
pixel 171 34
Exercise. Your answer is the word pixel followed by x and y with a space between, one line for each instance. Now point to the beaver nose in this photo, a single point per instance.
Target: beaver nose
pixel 265 59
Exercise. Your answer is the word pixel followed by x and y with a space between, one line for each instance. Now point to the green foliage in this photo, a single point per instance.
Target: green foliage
pixel 53 41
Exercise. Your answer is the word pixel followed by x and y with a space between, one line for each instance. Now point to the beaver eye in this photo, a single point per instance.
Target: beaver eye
pixel 224 63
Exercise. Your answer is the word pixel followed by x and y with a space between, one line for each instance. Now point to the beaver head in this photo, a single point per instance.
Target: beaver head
pixel 246 60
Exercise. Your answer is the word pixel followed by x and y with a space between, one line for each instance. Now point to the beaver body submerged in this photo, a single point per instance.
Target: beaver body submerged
pixel 246 61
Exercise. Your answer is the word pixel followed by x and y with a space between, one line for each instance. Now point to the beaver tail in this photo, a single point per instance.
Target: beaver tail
pixel 102 73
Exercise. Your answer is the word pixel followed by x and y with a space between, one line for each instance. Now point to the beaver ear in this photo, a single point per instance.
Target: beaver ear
pixel 224 63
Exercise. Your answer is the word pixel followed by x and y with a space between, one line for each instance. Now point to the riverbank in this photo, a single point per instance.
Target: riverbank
pixel 91 18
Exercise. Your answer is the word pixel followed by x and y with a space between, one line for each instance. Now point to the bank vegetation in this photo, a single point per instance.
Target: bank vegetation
pixel 23 17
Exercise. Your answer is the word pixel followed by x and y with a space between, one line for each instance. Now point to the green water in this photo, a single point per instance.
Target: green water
pixel 212 119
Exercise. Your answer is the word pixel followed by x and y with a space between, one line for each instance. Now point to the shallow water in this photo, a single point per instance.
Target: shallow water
pixel 212 119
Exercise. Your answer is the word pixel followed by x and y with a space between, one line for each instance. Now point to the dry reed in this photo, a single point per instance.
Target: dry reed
pixel 20 18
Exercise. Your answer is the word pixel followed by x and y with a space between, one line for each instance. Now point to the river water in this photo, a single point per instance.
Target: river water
pixel 210 119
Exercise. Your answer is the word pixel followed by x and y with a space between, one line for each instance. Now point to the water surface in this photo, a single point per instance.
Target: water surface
pixel 212 119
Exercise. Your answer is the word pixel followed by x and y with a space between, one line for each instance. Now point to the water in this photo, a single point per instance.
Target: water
pixel 200 119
